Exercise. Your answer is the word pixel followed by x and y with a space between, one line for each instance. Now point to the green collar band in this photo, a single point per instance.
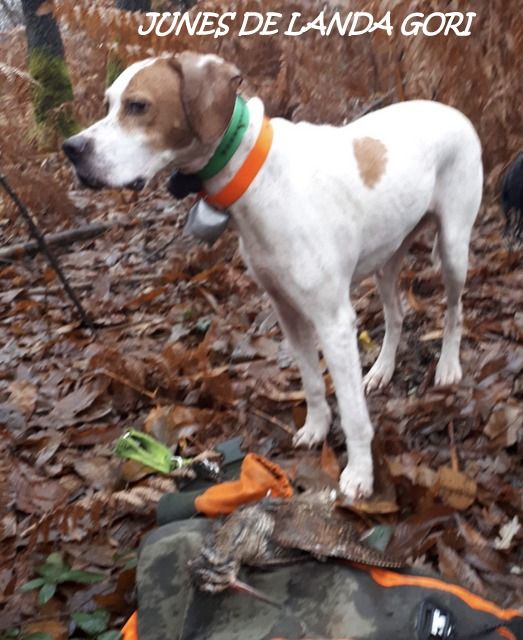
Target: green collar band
pixel 230 141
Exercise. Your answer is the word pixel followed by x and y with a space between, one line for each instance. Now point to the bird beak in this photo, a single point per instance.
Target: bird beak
pixel 243 587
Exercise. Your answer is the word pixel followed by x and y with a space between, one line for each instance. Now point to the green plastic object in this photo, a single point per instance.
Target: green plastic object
pixel 138 446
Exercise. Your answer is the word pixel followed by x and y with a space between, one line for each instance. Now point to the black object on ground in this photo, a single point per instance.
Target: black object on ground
pixel 512 198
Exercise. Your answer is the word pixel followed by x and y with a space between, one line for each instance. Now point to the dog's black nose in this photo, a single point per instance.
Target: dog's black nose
pixel 77 147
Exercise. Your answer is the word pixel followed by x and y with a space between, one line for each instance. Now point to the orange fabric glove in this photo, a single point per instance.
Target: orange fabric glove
pixel 130 629
pixel 258 477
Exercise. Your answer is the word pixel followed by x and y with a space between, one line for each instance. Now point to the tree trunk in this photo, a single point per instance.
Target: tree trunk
pixel 134 5
pixel 47 66
pixel 185 5
pixel 10 14
pixel 42 31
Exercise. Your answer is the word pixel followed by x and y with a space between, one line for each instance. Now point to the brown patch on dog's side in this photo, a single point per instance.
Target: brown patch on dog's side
pixel 371 156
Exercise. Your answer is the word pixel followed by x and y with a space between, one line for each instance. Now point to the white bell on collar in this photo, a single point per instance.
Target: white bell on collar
pixel 205 222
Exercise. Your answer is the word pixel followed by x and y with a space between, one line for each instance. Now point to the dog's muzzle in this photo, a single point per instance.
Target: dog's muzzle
pixel 79 149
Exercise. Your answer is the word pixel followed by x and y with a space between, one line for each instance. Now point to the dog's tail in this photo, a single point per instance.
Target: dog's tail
pixel 512 199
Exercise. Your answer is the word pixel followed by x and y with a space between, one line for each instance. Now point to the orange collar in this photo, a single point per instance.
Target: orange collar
pixel 246 174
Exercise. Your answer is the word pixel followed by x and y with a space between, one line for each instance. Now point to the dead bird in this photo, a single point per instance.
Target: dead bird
pixel 277 531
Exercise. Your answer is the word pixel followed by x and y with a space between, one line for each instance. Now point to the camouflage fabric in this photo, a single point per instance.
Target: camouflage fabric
pixel 319 600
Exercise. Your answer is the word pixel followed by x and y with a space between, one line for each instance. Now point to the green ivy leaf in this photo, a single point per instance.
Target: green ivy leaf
pixel 32 584
pixel 46 592
pixel 132 563
pixel 53 567
pixel 38 636
pixel 83 577
pixel 56 559
pixel 127 559
pixel 92 623
pixel 378 537
pixel 110 635
pixel 10 633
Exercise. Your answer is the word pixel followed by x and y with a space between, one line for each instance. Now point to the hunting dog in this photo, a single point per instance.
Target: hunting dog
pixel 325 207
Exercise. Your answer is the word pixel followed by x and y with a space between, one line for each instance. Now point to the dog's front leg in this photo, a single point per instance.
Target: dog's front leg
pixel 338 336
pixel 302 339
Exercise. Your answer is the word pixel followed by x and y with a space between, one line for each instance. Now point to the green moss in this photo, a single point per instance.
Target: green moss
pixel 53 95
pixel 114 68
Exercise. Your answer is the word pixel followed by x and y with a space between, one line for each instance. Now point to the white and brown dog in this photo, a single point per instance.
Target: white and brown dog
pixel 325 206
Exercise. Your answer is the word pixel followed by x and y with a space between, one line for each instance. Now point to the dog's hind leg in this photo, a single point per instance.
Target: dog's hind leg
pixel 457 210
pixel 453 249
pixel 387 282
pixel 381 371
pixel 302 339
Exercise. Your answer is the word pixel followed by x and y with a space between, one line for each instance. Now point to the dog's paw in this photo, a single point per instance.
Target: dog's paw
pixel 315 429
pixel 448 372
pixel 379 376
pixel 357 482
pixel 310 436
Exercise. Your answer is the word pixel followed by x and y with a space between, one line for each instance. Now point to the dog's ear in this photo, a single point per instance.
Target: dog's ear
pixel 208 92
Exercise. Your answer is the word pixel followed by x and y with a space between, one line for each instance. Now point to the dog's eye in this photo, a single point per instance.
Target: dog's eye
pixel 136 107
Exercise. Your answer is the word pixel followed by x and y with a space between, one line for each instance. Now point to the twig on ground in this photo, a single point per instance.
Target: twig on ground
pixel 127 383
pixel 59 239
pixel 39 237
pixel 156 254
pixel 454 463
pixel 274 421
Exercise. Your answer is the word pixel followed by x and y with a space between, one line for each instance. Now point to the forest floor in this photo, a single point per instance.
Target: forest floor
pixel 189 350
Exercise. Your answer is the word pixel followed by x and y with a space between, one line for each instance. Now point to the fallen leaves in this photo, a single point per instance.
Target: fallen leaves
pixel 410 466
pixel 504 425
pixel 56 629
pixel 191 353
pixel 455 489
pixel 452 566
pixel 507 533
pixel 329 462
pixel 37 495
pixel 99 472
pixel 23 395
pixel 72 408
pixel 8 526
pixel 170 424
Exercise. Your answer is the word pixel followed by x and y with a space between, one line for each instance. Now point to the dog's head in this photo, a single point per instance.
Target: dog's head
pixel 159 111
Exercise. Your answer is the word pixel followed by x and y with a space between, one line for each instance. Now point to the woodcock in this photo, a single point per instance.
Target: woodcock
pixel 278 531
